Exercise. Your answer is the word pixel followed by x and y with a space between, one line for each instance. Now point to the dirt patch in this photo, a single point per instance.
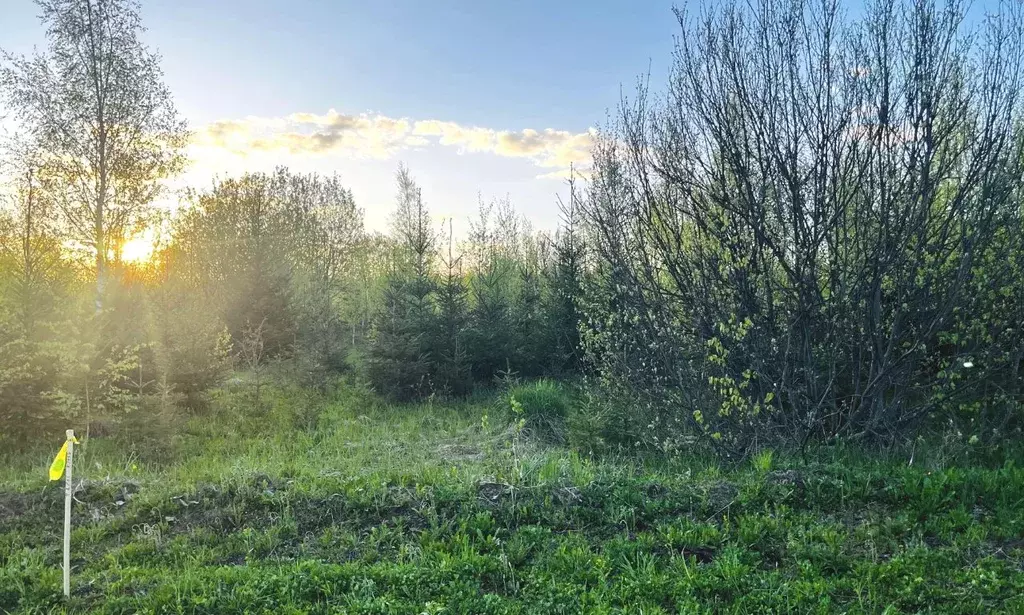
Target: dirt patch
pixel 568 496
pixel 406 517
pixel 455 452
pixel 493 492
pixel 703 555
pixel 1010 549
pixel 721 495
pixel 655 490
pixel 99 493
pixel 217 509
pixel 790 478
pixel 13 505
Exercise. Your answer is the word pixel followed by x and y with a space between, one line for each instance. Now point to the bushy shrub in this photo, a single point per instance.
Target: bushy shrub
pixel 603 422
pixel 151 431
pixel 738 301
pixel 588 426
pixel 543 404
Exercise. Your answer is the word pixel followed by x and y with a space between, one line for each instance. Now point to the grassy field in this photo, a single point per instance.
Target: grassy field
pixel 346 505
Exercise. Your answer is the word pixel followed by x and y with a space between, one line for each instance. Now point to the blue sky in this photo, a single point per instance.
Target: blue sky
pixel 477 97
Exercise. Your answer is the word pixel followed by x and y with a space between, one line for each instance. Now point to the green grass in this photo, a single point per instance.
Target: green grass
pixel 348 505
pixel 542 406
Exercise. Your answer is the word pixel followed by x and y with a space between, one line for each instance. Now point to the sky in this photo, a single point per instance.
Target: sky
pixel 481 99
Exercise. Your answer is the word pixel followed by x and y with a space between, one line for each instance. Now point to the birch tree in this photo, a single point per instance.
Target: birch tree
pixel 96 105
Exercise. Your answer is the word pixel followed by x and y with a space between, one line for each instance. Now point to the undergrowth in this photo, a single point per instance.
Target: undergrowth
pixel 347 505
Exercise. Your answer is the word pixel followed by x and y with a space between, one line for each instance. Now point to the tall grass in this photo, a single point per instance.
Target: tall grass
pixel 376 508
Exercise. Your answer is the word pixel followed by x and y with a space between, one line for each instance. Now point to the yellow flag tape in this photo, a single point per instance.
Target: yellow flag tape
pixel 61 460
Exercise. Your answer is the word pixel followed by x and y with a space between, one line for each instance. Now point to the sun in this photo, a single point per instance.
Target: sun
pixel 137 250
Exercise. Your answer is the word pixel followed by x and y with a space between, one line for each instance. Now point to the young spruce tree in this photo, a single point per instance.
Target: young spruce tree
pixel 400 361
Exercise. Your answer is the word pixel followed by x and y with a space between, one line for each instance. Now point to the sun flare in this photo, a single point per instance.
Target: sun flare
pixel 137 250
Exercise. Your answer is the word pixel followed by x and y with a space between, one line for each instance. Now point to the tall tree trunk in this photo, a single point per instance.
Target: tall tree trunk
pixel 98 238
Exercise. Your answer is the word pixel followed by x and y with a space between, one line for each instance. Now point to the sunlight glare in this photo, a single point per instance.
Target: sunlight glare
pixel 137 250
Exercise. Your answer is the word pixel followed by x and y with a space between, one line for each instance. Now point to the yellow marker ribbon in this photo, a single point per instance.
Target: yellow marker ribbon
pixel 60 461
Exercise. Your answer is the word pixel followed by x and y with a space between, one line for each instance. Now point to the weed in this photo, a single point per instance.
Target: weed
pixel 763 461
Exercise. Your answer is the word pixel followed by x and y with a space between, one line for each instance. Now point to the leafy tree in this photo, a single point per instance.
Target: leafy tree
pixel 96 109
pixel 235 246
pixel 329 229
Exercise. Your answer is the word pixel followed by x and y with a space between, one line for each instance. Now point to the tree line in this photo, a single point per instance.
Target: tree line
pixel 265 270
pixel 814 233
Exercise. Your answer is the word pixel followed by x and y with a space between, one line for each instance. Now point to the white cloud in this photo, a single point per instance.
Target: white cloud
pixel 379 137
pixel 471 139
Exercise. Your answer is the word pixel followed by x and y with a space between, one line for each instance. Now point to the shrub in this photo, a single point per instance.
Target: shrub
pixel 710 296
pixel 544 405
pixel 589 425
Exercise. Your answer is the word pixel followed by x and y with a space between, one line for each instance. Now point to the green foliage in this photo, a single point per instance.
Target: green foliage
pixel 399 364
pixel 402 352
pixel 397 509
pixel 590 425
pixel 452 370
pixel 482 313
pixel 235 241
pixel 492 331
pixel 739 295
pixel 763 461
pixel 543 404
pixel 40 346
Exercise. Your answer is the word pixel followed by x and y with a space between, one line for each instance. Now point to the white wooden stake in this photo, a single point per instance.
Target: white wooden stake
pixel 67 514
